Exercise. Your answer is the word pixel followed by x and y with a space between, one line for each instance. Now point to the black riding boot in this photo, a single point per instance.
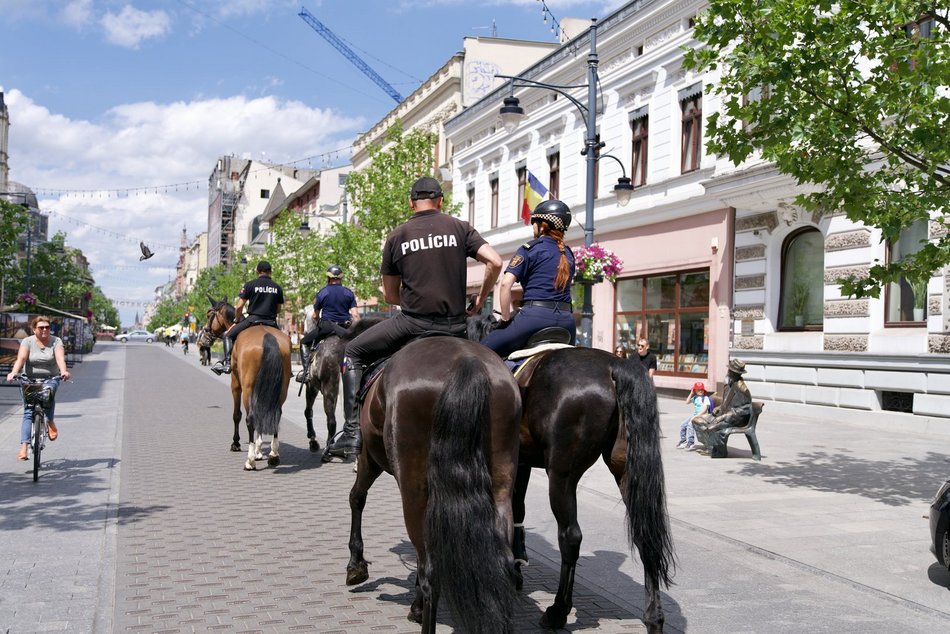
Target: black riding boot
pixel 305 362
pixel 224 365
pixel 350 440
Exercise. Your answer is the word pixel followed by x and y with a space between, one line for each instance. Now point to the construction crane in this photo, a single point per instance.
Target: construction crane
pixel 348 53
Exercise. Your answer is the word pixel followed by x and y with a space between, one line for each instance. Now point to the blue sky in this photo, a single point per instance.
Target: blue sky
pixel 119 108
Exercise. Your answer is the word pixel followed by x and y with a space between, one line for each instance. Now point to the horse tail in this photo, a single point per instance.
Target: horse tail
pixel 265 405
pixel 469 560
pixel 643 486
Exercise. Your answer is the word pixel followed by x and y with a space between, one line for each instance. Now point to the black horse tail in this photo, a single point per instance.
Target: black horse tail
pixel 644 489
pixel 265 406
pixel 469 560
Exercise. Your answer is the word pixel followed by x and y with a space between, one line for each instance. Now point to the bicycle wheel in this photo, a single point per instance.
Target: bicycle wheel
pixel 39 428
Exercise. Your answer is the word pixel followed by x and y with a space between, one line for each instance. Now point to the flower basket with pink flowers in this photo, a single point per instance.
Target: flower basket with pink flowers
pixel 596 263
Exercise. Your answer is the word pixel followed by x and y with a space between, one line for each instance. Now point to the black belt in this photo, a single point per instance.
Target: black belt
pixel 437 319
pixel 543 303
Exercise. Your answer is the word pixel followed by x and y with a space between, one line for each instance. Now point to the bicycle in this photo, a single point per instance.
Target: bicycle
pixel 36 396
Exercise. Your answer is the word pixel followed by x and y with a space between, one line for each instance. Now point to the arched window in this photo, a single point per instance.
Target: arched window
pixel 255 228
pixel 802 302
pixel 907 302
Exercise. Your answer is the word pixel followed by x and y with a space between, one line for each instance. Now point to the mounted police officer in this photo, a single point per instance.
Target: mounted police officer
pixel 335 309
pixel 263 298
pixel 424 271
pixel 544 267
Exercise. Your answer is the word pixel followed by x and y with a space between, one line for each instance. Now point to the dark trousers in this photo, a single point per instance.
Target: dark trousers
pixel 386 337
pixel 528 321
pixel 247 322
pixel 324 329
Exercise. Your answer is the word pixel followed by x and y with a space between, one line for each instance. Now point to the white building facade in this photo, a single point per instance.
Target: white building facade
pixel 718 261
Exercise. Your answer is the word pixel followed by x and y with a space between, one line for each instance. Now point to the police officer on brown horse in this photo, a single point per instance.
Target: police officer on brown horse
pixel 263 298
pixel 424 271
pixel 335 310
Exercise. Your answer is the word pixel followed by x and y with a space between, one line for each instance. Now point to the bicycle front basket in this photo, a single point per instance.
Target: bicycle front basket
pixel 37 394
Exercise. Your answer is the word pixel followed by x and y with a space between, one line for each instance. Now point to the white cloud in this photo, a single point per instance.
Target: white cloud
pixel 131 26
pixel 152 146
pixel 77 13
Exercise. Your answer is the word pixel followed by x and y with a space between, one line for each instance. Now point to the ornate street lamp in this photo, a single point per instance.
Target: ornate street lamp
pixel 511 115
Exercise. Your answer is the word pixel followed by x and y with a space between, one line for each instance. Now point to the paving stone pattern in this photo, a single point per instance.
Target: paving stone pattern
pixel 204 546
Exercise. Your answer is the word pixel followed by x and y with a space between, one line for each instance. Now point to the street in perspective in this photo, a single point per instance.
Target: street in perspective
pixel 143 520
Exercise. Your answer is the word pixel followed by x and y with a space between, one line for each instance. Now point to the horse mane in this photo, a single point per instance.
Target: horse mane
pixel 361 326
pixel 478 326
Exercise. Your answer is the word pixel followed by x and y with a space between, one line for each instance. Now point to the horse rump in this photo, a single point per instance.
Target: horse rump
pixel 468 559
pixel 265 402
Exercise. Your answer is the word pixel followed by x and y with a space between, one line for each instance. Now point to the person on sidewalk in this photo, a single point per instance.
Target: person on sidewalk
pixel 424 271
pixel 647 358
pixel 702 403
pixel 545 268
pixel 334 307
pixel 263 298
pixel 40 354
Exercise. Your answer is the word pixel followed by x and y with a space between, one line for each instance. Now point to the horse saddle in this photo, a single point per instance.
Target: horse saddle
pixel 550 338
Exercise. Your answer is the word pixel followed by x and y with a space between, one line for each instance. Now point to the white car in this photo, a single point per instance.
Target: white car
pixel 135 335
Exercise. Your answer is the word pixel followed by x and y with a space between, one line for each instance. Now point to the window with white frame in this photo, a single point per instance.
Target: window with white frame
pixel 691 106
pixel 802 303
pixel 906 301
pixel 493 187
pixel 640 126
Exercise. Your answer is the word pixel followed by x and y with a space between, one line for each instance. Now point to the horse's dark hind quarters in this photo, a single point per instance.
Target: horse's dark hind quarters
pixel 443 420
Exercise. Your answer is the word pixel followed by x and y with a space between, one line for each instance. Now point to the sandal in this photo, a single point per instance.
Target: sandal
pixel 51 430
pixel 23 453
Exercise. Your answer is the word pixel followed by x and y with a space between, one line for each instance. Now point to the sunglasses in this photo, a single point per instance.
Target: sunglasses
pixel 42 327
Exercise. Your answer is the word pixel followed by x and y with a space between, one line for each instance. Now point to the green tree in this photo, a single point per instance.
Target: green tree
pixel 848 97
pixel 103 310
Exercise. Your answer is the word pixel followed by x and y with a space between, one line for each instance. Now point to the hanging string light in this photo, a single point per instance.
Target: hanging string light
pixel 327 158
pixel 545 14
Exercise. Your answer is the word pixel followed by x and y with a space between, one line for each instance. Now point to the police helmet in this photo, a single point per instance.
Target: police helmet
pixel 554 212
pixel 334 272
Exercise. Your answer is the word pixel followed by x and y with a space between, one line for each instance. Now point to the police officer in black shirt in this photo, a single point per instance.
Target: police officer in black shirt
pixel 335 310
pixel 424 271
pixel 544 267
pixel 263 298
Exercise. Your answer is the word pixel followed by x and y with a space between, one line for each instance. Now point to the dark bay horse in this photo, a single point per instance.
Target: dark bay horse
pixel 443 420
pixel 579 405
pixel 324 377
pixel 260 374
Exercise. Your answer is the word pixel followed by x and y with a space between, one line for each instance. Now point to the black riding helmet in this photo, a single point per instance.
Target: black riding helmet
pixel 554 212
pixel 334 272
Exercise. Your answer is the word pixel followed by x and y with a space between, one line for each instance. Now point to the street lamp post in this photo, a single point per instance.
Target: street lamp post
pixel 511 115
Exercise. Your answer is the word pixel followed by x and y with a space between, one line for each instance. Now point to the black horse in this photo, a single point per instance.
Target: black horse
pixel 579 405
pixel 324 377
pixel 443 420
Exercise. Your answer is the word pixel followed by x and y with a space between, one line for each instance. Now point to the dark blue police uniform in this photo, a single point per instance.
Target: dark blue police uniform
pixel 333 304
pixel 534 265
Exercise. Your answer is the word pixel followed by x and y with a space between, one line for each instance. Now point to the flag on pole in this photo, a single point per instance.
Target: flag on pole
pixel 534 193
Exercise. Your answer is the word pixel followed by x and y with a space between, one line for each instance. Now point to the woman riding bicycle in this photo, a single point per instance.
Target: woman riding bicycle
pixel 40 354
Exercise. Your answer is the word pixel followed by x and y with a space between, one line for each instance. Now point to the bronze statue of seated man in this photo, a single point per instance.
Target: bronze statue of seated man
pixel 734 411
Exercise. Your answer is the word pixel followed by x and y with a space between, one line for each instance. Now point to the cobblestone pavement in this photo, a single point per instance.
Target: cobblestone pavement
pixel 204 546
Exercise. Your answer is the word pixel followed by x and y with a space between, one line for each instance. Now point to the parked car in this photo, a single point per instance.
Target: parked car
pixel 940 524
pixel 136 335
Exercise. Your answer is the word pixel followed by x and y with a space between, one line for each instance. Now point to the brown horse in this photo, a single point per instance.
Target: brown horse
pixel 260 374
pixel 579 405
pixel 323 376
pixel 443 420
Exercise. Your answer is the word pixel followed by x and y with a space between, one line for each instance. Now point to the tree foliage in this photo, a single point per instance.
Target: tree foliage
pixel 849 99
pixel 12 222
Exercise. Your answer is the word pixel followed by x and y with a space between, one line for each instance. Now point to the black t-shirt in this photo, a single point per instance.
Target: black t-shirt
pixel 429 252
pixel 262 297
pixel 648 361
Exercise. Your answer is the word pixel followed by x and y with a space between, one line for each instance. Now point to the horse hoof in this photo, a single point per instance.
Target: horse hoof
pixel 553 620
pixel 235 446
pixel 273 460
pixel 415 614
pixel 314 446
pixel 250 466
pixel 356 574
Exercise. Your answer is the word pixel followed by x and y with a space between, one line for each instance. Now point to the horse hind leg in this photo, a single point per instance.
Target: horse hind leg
pixel 273 458
pixel 563 496
pixel 253 452
pixel 653 616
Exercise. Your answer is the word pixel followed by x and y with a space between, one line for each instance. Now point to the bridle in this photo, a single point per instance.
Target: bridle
pixel 214 316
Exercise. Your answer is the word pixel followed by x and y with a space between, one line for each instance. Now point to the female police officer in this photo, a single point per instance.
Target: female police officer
pixel 544 267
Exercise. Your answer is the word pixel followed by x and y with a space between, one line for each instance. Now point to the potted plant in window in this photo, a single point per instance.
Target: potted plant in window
pixel 920 298
pixel 799 301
